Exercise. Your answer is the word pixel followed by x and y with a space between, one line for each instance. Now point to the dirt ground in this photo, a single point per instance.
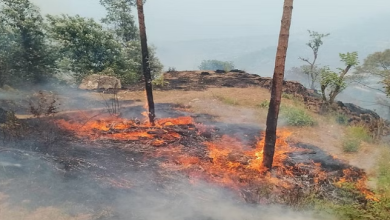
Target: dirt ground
pixel 211 99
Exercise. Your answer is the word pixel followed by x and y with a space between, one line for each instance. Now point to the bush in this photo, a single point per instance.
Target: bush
pixel 160 81
pixel 263 104
pixel 298 117
pixel 341 119
pixel 359 132
pixel 351 145
pixel 287 96
pixel 216 65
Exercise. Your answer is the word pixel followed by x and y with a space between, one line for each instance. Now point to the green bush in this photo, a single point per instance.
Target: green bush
pixel 160 81
pixel 358 132
pixel 351 145
pixel 341 119
pixel 298 117
pixel 287 96
pixel 216 65
pixel 263 104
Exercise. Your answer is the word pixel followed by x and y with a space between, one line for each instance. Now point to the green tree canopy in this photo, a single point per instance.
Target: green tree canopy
pixel 84 44
pixel 334 83
pixel 120 20
pixel 216 65
pixel 23 43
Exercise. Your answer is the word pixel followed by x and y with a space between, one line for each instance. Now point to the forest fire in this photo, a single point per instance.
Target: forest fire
pixel 224 161
pixel 127 130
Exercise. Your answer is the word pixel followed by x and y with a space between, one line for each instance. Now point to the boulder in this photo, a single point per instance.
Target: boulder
pixel 204 73
pixel 220 71
pixel 3 116
pixel 99 82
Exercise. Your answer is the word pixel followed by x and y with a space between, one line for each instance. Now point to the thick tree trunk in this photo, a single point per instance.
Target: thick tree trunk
pixel 145 62
pixel 277 83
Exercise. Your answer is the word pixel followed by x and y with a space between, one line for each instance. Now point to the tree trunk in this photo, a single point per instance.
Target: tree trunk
pixel 145 62
pixel 277 84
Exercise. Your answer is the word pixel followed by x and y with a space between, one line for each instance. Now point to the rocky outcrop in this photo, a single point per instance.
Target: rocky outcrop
pixel 3 116
pixel 100 82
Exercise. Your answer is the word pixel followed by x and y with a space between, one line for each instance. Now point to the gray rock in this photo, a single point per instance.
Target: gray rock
pixel 98 82
pixel 3 116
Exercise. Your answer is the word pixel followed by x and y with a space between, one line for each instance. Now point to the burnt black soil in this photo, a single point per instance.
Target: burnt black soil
pixel 51 167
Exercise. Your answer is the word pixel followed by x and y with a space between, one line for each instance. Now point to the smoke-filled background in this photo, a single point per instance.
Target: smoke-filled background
pixel 187 32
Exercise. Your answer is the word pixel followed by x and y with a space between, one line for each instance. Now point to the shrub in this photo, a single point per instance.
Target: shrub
pixel 351 145
pixel 216 65
pixel 298 117
pixel 263 104
pixel 227 100
pixel 160 81
pixel 359 133
pixel 171 69
pixel 287 96
pixel 341 119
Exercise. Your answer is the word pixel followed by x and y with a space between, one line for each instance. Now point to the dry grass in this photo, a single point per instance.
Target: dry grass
pixel 241 105
pixel 44 213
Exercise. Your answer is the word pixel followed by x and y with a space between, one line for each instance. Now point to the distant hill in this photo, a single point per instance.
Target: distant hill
pixel 256 54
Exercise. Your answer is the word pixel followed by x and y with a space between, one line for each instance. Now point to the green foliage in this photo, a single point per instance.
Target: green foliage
pixel 332 80
pixel 69 47
pixel 264 104
pixel 312 70
pixel 316 40
pixel 88 48
pixel 334 83
pixel 227 100
pixel 297 117
pixel 341 119
pixel 160 81
pixel 24 55
pixel 354 136
pixel 384 172
pixel 84 43
pixel 351 145
pixel 378 64
pixel 359 132
pixel 120 19
pixel 350 59
pixel 216 65
pixel 288 96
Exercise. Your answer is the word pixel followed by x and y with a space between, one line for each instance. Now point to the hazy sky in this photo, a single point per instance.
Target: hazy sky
pixel 203 19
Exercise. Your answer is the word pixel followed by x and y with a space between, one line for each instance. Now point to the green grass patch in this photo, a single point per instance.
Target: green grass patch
pixel 160 81
pixel 297 117
pixel 288 96
pixel 263 104
pixel 226 100
pixel 341 119
pixel 353 138
pixel 359 133
pixel 351 145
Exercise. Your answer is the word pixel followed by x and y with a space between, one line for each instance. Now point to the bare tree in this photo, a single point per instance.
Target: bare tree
pixel 277 83
pixel 145 61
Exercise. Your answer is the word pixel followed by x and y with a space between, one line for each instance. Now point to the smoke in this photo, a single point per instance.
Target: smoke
pixel 201 201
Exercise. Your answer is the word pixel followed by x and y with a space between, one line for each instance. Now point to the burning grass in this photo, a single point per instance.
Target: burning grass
pixel 225 161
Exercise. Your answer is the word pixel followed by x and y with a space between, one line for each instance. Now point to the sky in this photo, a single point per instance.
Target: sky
pixel 173 20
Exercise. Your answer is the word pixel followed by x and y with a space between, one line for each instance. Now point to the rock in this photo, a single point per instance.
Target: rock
pixel 97 82
pixel 237 71
pixel 220 71
pixel 3 116
pixel 204 73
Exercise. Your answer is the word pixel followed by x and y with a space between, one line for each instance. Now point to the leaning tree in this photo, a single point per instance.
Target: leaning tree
pixel 277 83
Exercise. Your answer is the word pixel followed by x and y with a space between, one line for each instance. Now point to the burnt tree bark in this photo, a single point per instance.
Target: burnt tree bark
pixel 145 62
pixel 277 83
